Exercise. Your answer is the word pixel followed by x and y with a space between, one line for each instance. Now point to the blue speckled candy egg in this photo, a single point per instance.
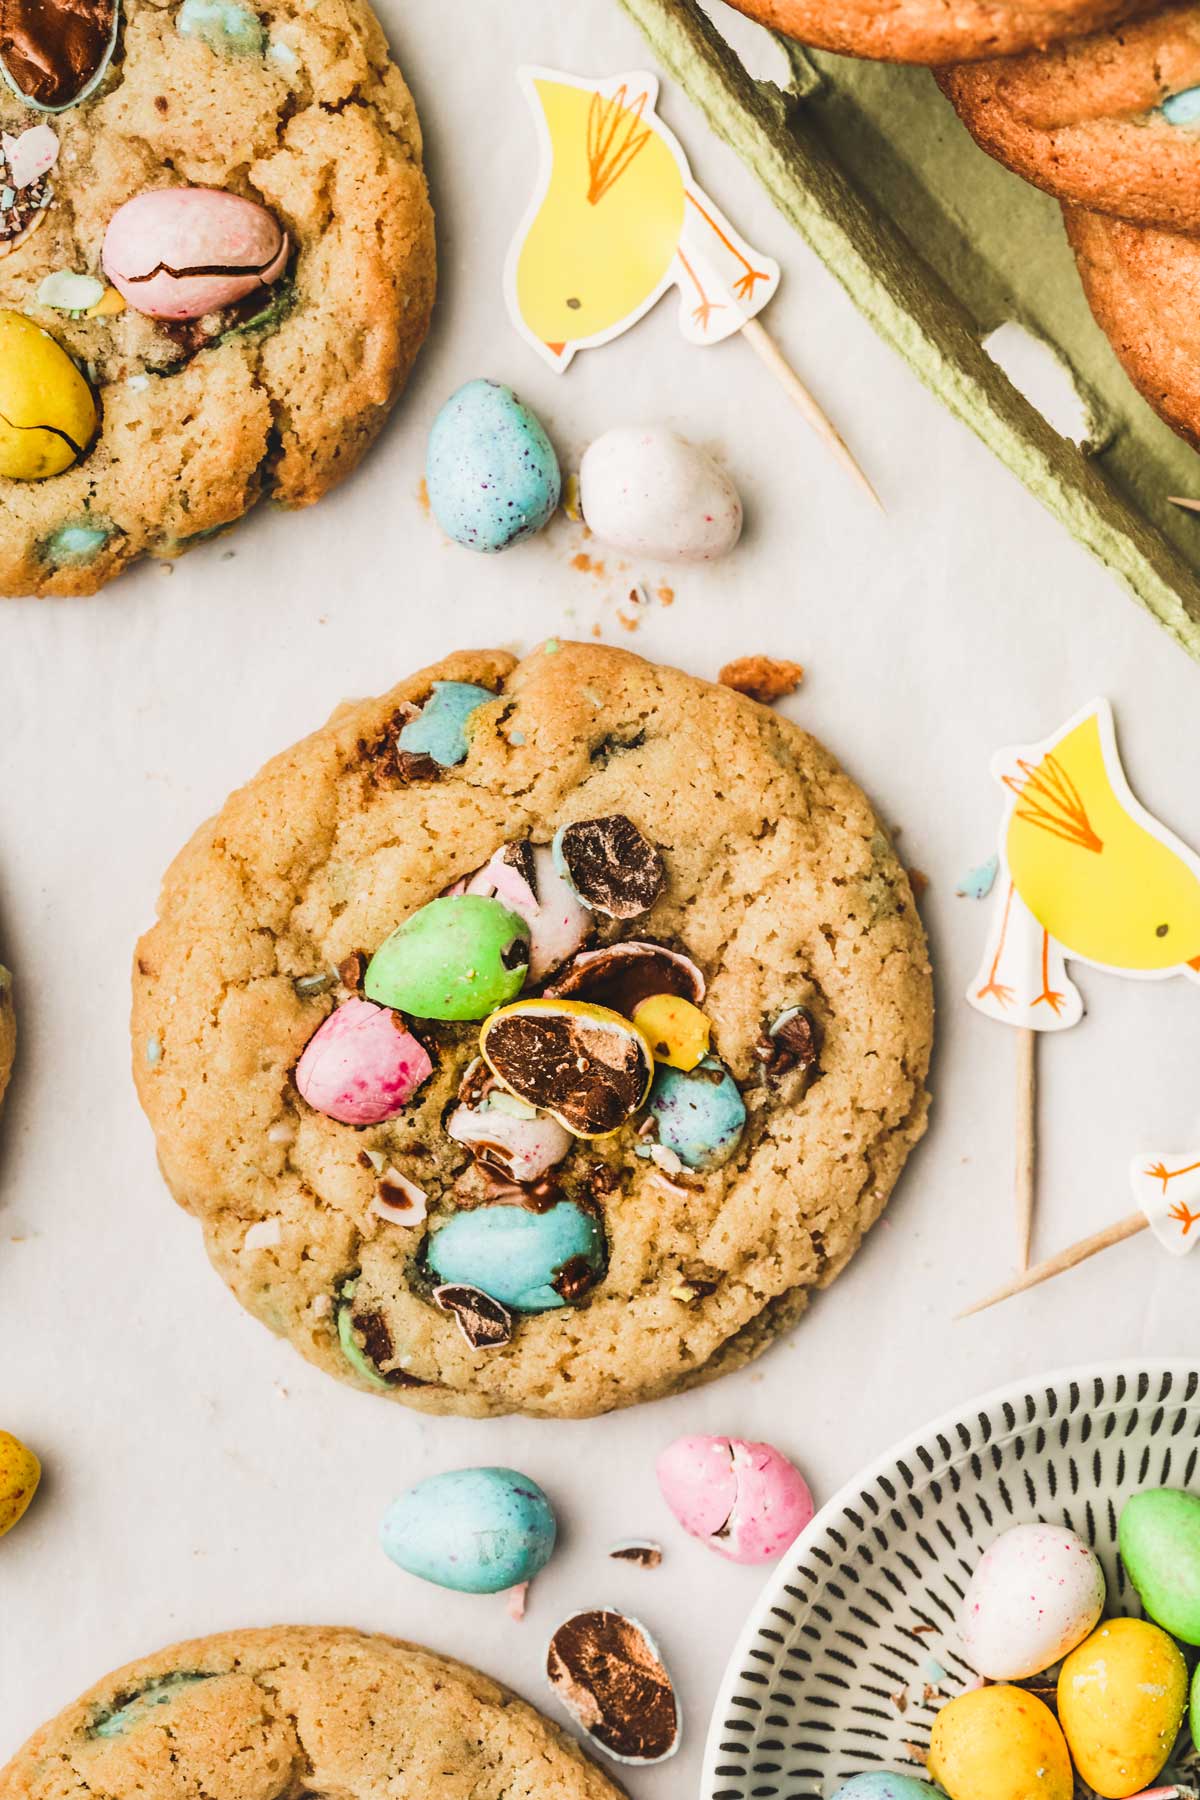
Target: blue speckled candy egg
pixel 440 730
pixel 878 1784
pixel 475 1530
pixel 1182 108
pixel 490 469
pixel 700 1113
pixel 530 1261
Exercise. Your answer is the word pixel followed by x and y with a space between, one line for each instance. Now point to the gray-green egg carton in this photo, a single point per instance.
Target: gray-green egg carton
pixel 847 151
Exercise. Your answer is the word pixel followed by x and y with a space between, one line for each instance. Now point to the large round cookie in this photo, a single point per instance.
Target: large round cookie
pixel 779 883
pixel 268 1715
pixel 1092 121
pixel 299 108
pixel 935 31
pixel 1144 288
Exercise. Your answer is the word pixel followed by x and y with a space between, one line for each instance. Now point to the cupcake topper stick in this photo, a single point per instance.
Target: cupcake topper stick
pixel 1086 873
pixel 616 220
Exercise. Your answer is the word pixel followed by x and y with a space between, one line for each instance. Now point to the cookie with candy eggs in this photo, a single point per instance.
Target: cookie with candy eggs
pixel 238 1714
pixel 537 1036
pixel 1143 286
pixel 1109 121
pixel 216 269
pixel 929 31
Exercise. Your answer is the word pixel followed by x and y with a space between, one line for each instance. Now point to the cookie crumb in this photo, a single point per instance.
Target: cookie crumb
pixel 762 678
pixel 918 881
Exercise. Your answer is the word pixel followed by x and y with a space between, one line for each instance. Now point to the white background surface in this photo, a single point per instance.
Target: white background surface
pixel 198 1474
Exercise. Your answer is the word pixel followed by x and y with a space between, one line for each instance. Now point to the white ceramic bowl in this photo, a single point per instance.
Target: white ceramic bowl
pixel 829 1676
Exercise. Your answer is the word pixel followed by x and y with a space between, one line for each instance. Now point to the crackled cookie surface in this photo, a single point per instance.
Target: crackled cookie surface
pixel 267 1715
pixel 538 1035
pixel 1144 288
pixel 935 31
pixel 276 390
pixel 1108 121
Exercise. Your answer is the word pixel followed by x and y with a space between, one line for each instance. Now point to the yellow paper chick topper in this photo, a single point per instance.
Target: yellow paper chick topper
pixel 616 220
pixel 1086 873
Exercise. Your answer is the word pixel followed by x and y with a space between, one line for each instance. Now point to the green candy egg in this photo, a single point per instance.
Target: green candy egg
pixel 1159 1539
pixel 457 958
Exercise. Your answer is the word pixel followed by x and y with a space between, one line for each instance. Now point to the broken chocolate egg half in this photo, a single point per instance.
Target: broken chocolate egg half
pixel 585 1065
pixel 621 976
pixel 607 1671
pixel 484 1322
pixel 610 865
pixel 54 53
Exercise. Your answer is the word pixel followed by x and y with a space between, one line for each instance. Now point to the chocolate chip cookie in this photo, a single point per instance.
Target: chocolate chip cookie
pixel 537 1036
pixel 1144 288
pixel 267 1715
pixel 932 31
pixel 161 373
pixel 1109 121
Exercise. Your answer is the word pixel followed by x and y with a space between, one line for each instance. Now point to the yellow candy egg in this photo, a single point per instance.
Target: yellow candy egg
pixel 678 1032
pixel 999 1743
pixel 20 1472
pixel 47 410
pixel 1121 1699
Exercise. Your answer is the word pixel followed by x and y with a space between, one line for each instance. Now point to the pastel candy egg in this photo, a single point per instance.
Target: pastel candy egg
pixel 1037 1592
pixel 1182 108
pixel 999 1743
pixel 700 1113
pixel 20 1472
pixel 456 958
pixel 745 1501
pixel 653 494
pixel 361 1065
pixel 510 1135
pixel 178 253
pixel 588 1067
pixel 524 877
pixel 223 25
pixel 678 1032
pixel 47 411
pixel 491 472
pixel 73 546
pixel 531 1262
pixel 877 1784
pixel 1159 1539
pixel 1121 1700
pixel 475 1530
pixel 440 729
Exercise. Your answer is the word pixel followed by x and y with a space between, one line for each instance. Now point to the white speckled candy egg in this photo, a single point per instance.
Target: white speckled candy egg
pixel 647 491
pixel 1038 1593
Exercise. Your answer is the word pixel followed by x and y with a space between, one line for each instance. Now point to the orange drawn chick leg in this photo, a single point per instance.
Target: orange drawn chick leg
pixel 993 988
pixel 1051 996
pixel 704 311
pixel 1183 1215
pixel 1160 1172
pixel 746 283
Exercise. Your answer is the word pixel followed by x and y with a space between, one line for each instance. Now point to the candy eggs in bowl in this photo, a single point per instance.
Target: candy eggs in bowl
pixel 961 1615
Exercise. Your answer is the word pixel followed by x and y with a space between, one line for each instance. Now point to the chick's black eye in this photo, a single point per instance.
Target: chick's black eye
pixel 1161 930
pixel 574 304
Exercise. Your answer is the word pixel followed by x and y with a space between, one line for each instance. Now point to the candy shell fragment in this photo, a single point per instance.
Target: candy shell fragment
pixel 607 1672
pixel 677 1031
pixel 440 730
pixel 524 877
pixel 484 1323
pixel 622 975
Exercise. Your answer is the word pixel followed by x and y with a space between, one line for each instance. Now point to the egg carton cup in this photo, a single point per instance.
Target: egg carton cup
pixel 940 248
pixel 853 1646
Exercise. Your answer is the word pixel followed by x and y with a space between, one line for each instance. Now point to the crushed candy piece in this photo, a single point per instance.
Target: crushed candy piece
pixel 399 1200
pixel 68 292
pixel 484 1322
pixel 30 154
pixel 978 883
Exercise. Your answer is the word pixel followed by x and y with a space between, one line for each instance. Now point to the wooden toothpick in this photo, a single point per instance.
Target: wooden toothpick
pixel 1026 1142
pixel 1188 505
pixel 1066 1259
pixel 764 346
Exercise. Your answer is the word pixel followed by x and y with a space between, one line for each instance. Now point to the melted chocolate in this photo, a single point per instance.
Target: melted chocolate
pixel 613 868
pixel 52 49
pixel 607 1673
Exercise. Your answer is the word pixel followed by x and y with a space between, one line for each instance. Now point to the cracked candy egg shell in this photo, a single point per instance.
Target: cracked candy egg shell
pixel 319 856
pixel 282 395
pixel 745 1501
pixel 233 1714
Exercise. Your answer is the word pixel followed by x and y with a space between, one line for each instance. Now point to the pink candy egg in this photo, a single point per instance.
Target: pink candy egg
pixel 745 1501
pixel 178 253
pixel 558 923
pixel 362 1065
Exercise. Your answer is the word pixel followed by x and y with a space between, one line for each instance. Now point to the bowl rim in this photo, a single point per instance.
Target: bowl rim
pixel 774 1587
